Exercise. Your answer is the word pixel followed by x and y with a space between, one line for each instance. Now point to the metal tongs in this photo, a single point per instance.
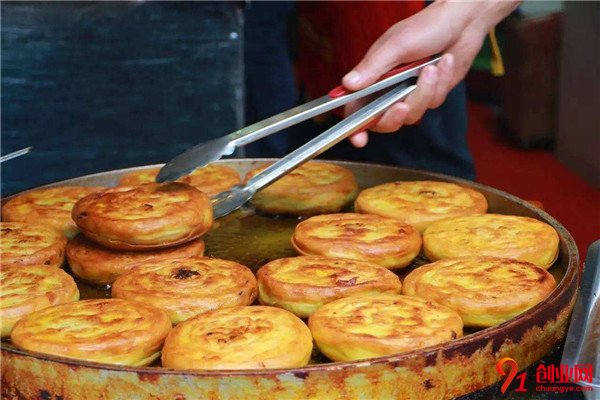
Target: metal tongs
pixel 210 151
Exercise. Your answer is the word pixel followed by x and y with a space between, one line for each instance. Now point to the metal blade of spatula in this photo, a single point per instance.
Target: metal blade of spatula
pixel 582 346
pixel 15 154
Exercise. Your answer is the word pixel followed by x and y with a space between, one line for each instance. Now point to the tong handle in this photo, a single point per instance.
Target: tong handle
pixel 342 91
pixel 357 121
pixel 340 97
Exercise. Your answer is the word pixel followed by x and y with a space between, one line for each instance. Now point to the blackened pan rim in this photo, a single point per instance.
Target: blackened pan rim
pixel 484 336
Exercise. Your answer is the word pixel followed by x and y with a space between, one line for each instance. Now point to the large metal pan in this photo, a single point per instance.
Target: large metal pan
pixel 444 371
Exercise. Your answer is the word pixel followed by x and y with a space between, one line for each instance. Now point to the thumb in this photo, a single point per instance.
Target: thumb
pixel 381 57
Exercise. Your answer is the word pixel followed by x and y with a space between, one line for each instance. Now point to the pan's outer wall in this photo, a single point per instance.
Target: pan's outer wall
pixel 441 372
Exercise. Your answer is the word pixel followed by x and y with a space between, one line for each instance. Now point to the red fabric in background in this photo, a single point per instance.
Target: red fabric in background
pixel 534 175
pixel 335 35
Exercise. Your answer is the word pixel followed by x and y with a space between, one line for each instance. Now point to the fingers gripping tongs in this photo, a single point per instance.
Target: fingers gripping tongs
pixel 206 152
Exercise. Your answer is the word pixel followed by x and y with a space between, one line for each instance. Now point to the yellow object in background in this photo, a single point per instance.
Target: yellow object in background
pixel 497 65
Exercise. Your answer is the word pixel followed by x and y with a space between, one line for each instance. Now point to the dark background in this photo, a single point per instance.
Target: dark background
pixel 100 86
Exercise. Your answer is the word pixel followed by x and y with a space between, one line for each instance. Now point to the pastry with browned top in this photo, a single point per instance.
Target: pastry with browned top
pixel 484 291
pixel 256 337
pixel 212 179
pixel 493 235
pixel 313 188
pixel 304 284
pixel 50 207
pixel 187 287
pixel 25 290
pixel 380 240
pixel 111 331
pixel 420 203
pixel 146 217
pixel 359 327
pixel 24 244
pixel 101 266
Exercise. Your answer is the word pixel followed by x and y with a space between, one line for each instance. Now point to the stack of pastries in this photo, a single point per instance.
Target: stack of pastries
pixel 342 292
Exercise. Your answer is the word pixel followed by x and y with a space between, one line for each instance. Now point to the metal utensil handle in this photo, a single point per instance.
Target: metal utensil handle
pixel 337 97
pixel 582 345
pixel 329 138
pixel 403 69
pixel 15 154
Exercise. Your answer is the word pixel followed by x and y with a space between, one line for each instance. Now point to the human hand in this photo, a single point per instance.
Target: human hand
pixel 456 29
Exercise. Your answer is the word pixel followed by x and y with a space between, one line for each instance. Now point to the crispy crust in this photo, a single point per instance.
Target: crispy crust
pixel 303 284
pixel 493 235
pixel 420 203
pixel 384 241
pixel 101 266
pixel 256 337
pixel 112 331
pixel 25 290
pixel 146 217
pixel 187 287
pixel 212 179
pixel 49 207
pixel 31 244
pixel 485 291
pixel 358 327
pixel 313 188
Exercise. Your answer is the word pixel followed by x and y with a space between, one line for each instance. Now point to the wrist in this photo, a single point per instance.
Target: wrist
pixel 482 14
pixel 494 11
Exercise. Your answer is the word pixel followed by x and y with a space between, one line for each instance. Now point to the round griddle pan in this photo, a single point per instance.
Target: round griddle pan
pixel 444 371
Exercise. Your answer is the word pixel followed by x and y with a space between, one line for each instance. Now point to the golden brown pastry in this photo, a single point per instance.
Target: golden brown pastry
pixel 256 337
pixel 111 331
pixel 313 188
pixel 146 217
pixel 494 235
pixel 304 284
pixel 50 207
pixel 380 240
pixel 484 291
pixel 25 290
pixel 187 287
pixel 25 244
pixel 358 327
pixel 101 266
pixel 420 203
pixel 212 179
